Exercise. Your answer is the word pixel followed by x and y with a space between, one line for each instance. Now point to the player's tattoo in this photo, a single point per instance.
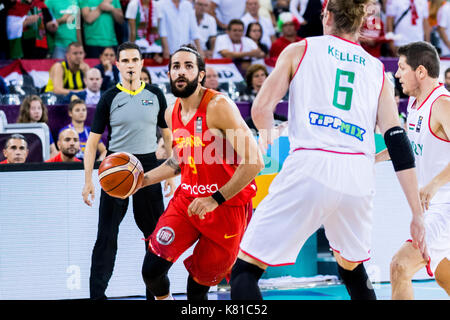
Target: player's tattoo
pixel 173 163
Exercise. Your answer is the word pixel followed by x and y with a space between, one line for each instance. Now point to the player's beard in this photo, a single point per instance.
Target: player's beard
pixel 187 91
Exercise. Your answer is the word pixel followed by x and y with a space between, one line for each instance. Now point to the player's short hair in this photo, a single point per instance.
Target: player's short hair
pixel 200 62
pixel 74 102
pixel 421 53
pixel 15 136
pixel 348 14
pixel 128 46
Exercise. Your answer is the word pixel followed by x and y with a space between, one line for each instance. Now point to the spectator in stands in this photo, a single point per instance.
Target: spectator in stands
pixel 91 94
pixel 211 79
pixel 408 20
pixel 266 10
pixel 443 29
pixel 254 32
pixel 178 26
pixel 207 26
pixel 3 86
pixel 145 75
pixel 68 75
pixel 308 13
pixel 433 9
pixel 15 149
pixel 33 110
pixel 142 17
pixel 68 145
pixel 288 25
pixel 99 17
pixel 77 111
pixel 236 46
pixel 254 78
pixel 252 15
pixel 28 22
pixel 447 78
pixel 280 7
pixel 372 31
pixel 226 10
pixel 4 8
pixel 67 15
pixel 108 69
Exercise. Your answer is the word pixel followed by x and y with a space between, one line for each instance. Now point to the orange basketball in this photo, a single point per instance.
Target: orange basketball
pixel 120 174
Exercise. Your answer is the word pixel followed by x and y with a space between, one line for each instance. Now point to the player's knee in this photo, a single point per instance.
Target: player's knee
pixel 442 277
pixel 154 267
pixel 399 269
pixel 244 281
pixel 443 282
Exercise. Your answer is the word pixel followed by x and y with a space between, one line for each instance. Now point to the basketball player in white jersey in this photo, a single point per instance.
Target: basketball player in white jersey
pixel 338 94
pixel 428 127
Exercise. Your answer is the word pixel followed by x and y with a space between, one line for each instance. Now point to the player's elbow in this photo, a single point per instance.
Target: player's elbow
pixel 260 113
pixel 257 163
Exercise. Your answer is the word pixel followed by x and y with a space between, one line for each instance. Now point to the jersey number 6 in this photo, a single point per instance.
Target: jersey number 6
pixel 348 91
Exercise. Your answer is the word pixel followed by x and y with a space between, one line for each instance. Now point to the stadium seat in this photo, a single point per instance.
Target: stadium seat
pixel 50 98
pixel 3 121
pixel 12 99
pixel 40 130
pixel 35 146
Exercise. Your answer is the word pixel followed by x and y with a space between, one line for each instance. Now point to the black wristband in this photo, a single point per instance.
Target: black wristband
pixel 218 197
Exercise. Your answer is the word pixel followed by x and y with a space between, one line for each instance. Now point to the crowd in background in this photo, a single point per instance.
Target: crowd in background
pixel 252 33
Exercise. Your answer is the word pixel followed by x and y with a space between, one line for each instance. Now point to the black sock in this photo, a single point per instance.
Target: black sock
pixel 244 281
pixel 196 291
pixel 357 283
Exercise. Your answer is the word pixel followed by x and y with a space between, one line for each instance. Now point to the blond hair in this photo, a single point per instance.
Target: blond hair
pixel 348 14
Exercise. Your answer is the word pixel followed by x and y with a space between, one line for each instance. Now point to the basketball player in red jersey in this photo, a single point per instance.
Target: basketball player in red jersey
pixel 218 159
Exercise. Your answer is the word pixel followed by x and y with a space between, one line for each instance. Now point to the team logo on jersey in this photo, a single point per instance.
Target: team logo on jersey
pixel 165 236
pixel 324 120
pixel 419 124
pixel 147 102
pixel 417 148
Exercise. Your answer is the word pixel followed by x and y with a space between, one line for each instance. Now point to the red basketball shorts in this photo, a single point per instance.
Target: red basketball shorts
pixel 219 235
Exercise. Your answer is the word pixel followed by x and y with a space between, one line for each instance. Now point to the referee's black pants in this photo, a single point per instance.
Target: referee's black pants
pixel 148 206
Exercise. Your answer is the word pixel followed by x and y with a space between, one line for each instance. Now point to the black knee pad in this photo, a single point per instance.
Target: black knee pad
pixel 154 273
pixel 244 281
pixel 357 283
pixel 196 291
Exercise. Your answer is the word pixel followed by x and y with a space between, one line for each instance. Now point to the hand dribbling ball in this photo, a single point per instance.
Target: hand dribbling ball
pixel 120 174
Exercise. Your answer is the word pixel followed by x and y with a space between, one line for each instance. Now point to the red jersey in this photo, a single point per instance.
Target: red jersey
pixel 58 158
pixel 207 161
pixel 4 161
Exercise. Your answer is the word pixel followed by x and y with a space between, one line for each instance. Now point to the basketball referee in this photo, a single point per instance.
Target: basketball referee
pixel 131 111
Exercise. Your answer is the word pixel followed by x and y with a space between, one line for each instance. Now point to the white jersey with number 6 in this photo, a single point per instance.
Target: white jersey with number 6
pixel 342 117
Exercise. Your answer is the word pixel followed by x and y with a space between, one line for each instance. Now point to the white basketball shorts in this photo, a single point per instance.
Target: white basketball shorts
pixel 437 234
pixel 314 188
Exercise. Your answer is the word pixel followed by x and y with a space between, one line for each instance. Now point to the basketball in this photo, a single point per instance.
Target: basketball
pixel 120 174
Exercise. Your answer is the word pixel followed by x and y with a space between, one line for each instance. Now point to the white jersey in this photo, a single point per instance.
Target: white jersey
pixel 333 97
pixel 432 153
